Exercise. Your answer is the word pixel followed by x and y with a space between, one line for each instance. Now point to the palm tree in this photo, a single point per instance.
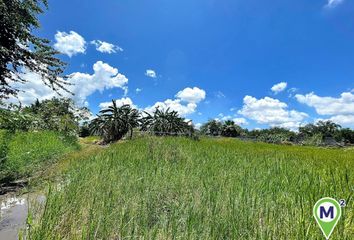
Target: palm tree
pixel 325 128
pixel 165 122
pixel 328 128
pixel 132 117
pixel 114 122
pixel 230 129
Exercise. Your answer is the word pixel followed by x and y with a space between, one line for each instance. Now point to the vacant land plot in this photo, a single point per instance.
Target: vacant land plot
pixel 176 188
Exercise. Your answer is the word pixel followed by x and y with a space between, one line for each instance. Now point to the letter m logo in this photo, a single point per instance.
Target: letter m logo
pixel 328 213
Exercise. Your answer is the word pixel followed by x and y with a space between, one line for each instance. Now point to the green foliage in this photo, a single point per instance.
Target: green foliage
pixel 5 137
pixel 56 114
pixel 225 129
pixel 212 128
pixel 230 129
pixel 27 152
pixel 166 123
pixel 17 120
pixel 345 134
pixel 313 140
pixel 273 135
pixel 175 188
pixel 323 133
pixel 21 51
pixel 114 122
pixel 90 140
pixel 325 128
pixel 316 134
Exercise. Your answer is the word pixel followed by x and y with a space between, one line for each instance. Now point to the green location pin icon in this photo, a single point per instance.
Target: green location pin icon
pixel 327 213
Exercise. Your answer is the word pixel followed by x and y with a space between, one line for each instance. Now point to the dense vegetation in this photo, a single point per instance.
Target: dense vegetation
pixel 321 133
pixel 176 188
pixel 163 122
pixel 113 123
pixel 23 153
pixel 57 114
pixel 34 136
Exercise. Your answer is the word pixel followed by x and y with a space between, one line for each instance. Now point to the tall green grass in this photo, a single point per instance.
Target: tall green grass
pixel 23 153
pixel 175 188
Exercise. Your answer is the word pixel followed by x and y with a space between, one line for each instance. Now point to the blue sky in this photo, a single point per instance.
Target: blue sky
pixel 234 51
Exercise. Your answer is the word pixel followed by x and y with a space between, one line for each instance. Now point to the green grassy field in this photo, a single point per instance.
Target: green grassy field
pixel 24 153
pixel 176 188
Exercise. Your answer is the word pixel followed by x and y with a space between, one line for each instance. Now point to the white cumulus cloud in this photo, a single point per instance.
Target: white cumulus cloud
pixel 329 105
pixel 340 110
pixel 83 84
pixel 105 47
pixel 174 105
pixel 185 103
pixel 33 89
pixel 271 112
pixel 69 43
pixel 343 120
pixel 191 95
pixel 277 88
pixel 104 77
pixel 240 121
pixel 150 73
pixel 119 102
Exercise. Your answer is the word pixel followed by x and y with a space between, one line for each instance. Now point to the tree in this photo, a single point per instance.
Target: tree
pixel 58 114
pixel 347 135
pixel 13 120
pixel 84 130
pixel 324 128
pixel 273 135
pixel 133 119
pixel 328 128
pixel 165 122
pixel 212 127
pixel 114 122
pixel 308 130
pixel 230 129
pixel 21 51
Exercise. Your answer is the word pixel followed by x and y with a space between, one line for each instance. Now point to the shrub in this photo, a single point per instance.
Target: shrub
pixel 314 140
pixel 27 152
pixel 17 120
pixel 84 130
pixel 211 128
pixel 4 142
pixel 230 129
pixel 347 135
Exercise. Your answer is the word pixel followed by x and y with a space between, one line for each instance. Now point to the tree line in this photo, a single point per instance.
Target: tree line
pixel 116 122
pixel 112 123
pixel 319 133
